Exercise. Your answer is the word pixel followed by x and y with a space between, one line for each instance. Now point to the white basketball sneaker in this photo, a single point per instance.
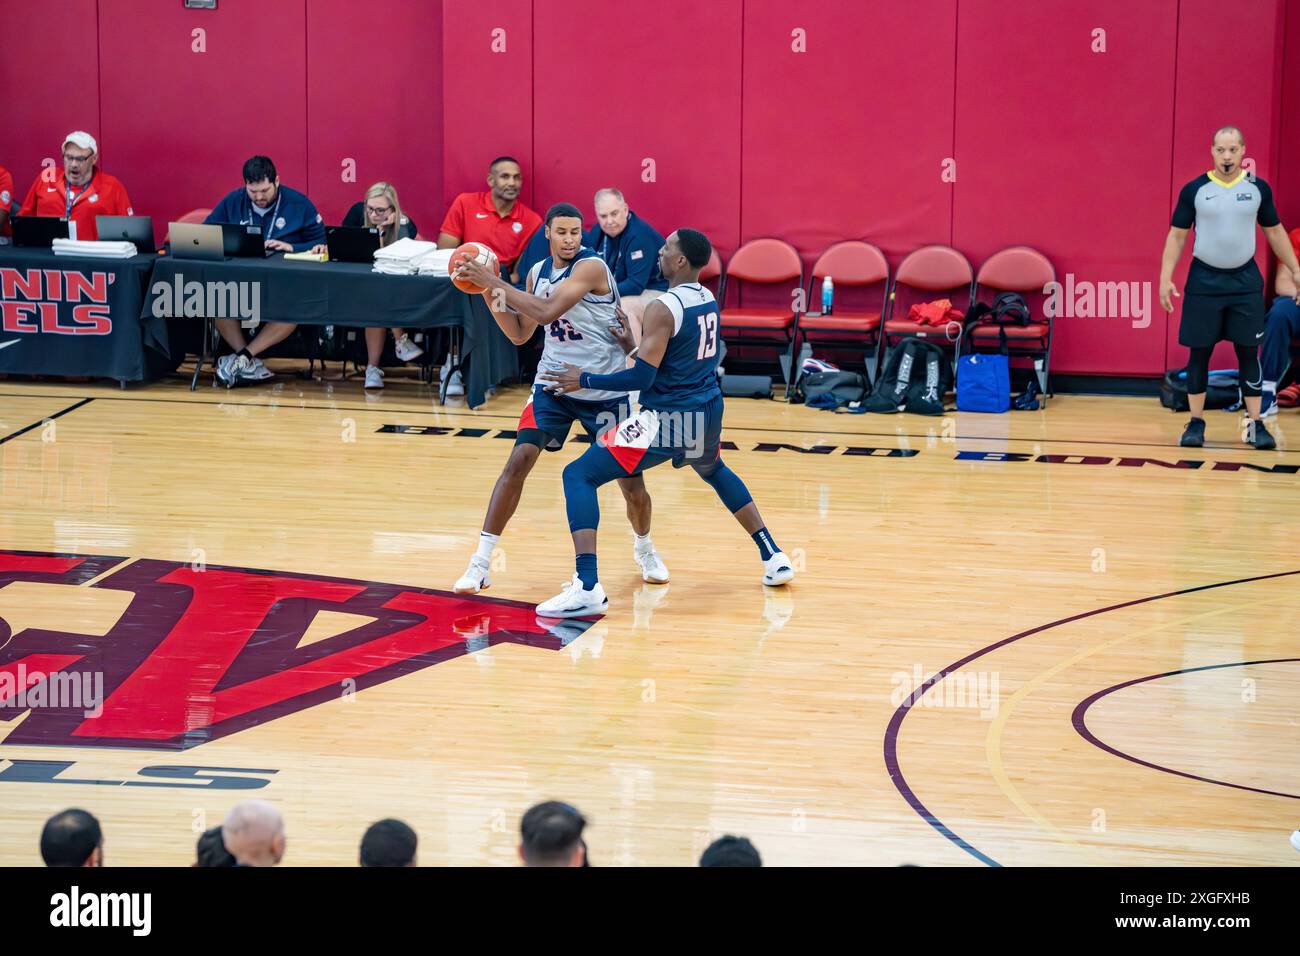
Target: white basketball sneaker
pixel 653 569
pixel 777 570
pixel 407 350
pixel 475 578
pixel 575 601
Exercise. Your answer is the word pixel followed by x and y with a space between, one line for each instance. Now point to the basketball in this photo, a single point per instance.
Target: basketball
pixel 477 252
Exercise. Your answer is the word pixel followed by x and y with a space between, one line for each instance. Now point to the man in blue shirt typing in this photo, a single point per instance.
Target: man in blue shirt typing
pixel 289 223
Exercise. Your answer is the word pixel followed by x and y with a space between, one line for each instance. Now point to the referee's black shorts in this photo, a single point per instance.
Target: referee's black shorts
pixel 1208 319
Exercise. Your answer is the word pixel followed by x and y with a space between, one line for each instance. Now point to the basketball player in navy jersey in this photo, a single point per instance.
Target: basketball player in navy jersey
pixel 574 296
pixel 680 421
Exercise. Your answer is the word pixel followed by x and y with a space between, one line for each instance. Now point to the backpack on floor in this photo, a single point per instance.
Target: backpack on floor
pixel 1222 390
pixel 915 379
pixel 832 389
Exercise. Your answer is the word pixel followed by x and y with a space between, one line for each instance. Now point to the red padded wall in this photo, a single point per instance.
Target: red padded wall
pixel 1068 150
pixel 846 139
pixel 182 123
pixel 1217 90
pixel 46 98
pixel 487 96
pixel 374 95
pixel 669 93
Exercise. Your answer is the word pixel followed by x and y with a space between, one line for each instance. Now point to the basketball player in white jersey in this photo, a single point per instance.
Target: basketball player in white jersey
pixel 573 295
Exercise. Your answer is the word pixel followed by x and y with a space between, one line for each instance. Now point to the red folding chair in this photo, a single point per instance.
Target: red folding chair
pixel 767 262
pixel 711 272
pixel 850 265
pixel 1029 272
pixel 194 215
pixel 938 272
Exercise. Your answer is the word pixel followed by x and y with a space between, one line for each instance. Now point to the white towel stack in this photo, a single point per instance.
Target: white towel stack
pixel 402 258
pixel 435 263
pixel 102 249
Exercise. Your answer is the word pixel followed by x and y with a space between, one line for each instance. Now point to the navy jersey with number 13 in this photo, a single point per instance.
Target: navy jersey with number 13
pixel 687 376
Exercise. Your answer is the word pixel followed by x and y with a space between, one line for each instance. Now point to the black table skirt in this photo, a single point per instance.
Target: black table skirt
pixel 76 315
pixel 345 294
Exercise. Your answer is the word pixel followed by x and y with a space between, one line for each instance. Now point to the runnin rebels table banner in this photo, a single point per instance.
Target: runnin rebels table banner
pixel 73 315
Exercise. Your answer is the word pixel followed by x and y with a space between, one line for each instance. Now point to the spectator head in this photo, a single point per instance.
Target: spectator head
pixel 564 230
pixel 383 211
pixel 211 851
pixel 611 211
pixel 261 180
pixel 388 843
pixel 1228 149
pixel 79 154
pixel 684 254
pixel 253 833
pixel 731 851
pixel 551 835
pixel 72 838
pixel 505 178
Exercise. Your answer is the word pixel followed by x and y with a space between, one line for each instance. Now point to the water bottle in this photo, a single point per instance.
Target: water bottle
pixel 828 293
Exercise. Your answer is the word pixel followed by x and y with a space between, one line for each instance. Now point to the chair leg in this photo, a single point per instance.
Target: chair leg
pixel 203 357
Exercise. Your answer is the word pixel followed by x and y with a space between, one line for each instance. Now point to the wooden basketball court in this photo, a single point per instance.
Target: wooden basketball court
pixel 1079 654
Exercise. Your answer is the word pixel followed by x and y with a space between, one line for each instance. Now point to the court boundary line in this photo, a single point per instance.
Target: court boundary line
pixel 895 771
pixel 1079 719
pixel 47 418
pixel 475 416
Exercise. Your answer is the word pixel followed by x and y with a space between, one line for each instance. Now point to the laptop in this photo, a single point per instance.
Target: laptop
pixel 137 229
pixel 212 241
pixel 352 243
pixel 244 242
pixel 38 232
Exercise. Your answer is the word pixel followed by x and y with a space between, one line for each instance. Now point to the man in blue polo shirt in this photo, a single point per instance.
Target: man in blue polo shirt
pixel 630 247
pixel 289 223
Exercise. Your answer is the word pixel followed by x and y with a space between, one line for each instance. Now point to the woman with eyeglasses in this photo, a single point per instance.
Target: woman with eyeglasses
pixel 380 210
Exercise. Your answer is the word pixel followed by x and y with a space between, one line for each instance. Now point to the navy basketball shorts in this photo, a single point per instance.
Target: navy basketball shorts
pixel 651 437
pixel 546 419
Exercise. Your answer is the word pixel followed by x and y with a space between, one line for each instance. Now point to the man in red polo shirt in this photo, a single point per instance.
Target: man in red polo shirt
pixel 495 218
pixel 6 198
pixel 80 192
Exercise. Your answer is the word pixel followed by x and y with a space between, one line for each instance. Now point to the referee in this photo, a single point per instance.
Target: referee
pixel 1225 291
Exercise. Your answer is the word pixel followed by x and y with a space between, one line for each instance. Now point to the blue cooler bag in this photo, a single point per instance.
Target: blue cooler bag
pixel 983 383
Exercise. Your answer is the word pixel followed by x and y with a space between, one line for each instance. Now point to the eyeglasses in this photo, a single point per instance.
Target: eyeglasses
pixel 68 157
pixel 376 211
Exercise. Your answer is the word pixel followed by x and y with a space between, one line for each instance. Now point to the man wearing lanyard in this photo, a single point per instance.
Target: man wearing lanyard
pixel 630 247
pixel 289 223
pixel 80 193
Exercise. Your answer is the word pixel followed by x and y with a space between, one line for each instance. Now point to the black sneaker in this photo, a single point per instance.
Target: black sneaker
pixel 1194 434
pixel 1257 435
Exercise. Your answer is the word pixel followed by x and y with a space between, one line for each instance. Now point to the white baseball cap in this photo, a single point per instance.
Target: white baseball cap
pixel 82 139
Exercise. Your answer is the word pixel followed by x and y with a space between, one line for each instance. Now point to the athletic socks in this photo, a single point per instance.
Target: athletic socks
pixel 766 546
pixel 486 545
pixel 246 354
pixel 643 544
pixel 586 567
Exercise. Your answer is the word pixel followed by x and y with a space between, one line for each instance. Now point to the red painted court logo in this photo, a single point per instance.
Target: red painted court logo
pixel 185 656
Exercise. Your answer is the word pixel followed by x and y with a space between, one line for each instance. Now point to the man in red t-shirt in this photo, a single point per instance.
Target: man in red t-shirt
pixel 79 192
pixel 1282 327
pixel 495 218
pixel 6 199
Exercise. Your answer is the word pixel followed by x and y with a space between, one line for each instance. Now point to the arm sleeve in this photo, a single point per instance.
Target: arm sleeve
pixel 635 379
pixel 453 224
pixel 1267 216
pixel 1185 212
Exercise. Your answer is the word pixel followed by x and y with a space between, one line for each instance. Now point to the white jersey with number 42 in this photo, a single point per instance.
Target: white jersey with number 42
pixel 581 336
